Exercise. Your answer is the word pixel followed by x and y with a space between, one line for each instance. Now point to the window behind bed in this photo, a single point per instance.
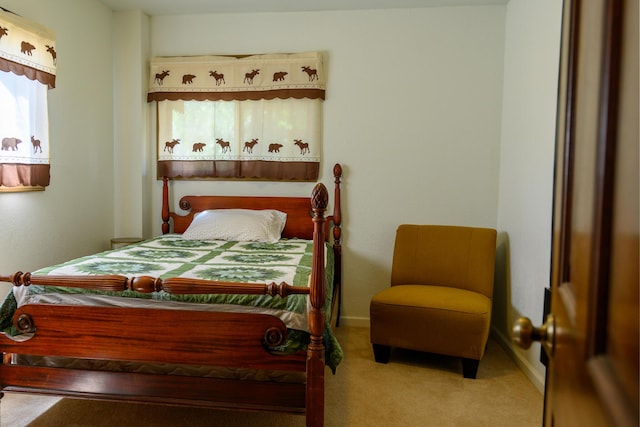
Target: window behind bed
pixel 253 117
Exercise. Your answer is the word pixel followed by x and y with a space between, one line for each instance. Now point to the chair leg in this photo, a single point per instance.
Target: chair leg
pixel 470 368
pixel 381 353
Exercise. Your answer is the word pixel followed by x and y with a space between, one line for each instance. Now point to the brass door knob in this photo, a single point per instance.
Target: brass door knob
pixel 524 333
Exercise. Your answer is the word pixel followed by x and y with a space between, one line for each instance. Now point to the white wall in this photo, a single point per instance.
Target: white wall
pixel 526 168
pixel 131 129
pixel 74 215
pixel 413 113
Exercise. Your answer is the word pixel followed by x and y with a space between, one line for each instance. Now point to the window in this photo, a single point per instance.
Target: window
pixel 257 117
pixel 27 71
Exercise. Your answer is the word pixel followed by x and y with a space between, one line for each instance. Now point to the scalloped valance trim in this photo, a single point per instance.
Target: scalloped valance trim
pixel 31 73
pixel 236 96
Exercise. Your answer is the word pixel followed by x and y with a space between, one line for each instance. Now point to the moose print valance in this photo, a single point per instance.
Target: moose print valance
pixel 27 49
pixel 228 78
pixel 255 117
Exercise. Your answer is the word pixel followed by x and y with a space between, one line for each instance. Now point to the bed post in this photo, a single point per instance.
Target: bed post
pixel 165 205
pixel 337 236
pixel 315 352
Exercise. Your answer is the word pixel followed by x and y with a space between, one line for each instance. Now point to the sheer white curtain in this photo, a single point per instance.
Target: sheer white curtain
pixel 24 128
pixel 252 129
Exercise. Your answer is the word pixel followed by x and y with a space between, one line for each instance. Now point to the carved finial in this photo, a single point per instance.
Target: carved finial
pixel 337 171
pixel 319 197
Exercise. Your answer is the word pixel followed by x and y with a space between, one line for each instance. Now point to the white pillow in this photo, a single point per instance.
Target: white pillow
pixel 242 225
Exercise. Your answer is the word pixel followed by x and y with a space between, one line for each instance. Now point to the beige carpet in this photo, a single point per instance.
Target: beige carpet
pixel 414 389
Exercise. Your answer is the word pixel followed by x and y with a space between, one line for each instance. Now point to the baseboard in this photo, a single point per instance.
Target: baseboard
pixel 354 321
pixel 534 375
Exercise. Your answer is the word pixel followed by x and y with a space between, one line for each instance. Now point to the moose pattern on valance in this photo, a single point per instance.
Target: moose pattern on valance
pixel 255 117
pixel 27 49
pixel 27 70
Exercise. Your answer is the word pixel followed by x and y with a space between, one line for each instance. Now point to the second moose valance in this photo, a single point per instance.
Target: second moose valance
pixel 298 75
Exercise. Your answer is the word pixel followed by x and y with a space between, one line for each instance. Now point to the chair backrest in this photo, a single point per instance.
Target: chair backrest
pixel 460 257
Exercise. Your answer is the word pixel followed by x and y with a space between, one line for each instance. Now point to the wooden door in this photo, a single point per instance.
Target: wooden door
pixel 592 333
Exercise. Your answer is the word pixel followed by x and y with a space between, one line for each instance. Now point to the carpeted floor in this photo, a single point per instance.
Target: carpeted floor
pixel 414 389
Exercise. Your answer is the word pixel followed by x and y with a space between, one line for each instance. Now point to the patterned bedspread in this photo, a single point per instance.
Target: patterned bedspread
pixel 288 260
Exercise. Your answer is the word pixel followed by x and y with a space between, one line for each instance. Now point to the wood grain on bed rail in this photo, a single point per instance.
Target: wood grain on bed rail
pixel 227 339
pixel 148 284
pixel 106 282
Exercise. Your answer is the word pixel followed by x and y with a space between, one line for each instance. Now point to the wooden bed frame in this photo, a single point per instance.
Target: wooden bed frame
pixel 222 339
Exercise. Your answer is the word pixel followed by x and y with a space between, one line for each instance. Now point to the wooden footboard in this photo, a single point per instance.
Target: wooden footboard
pixel 237 340
pixel 153 335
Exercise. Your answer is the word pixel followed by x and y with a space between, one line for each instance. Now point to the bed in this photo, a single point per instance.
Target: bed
pixel 179 336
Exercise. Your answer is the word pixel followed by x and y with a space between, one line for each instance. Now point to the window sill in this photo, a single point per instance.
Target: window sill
pixel 21 189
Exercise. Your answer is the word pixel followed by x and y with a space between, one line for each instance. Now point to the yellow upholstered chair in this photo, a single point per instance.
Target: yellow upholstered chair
pixel 440 296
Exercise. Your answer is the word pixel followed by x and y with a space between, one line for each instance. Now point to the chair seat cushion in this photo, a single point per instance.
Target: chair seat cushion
pixel 434 297
pixel 434 319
